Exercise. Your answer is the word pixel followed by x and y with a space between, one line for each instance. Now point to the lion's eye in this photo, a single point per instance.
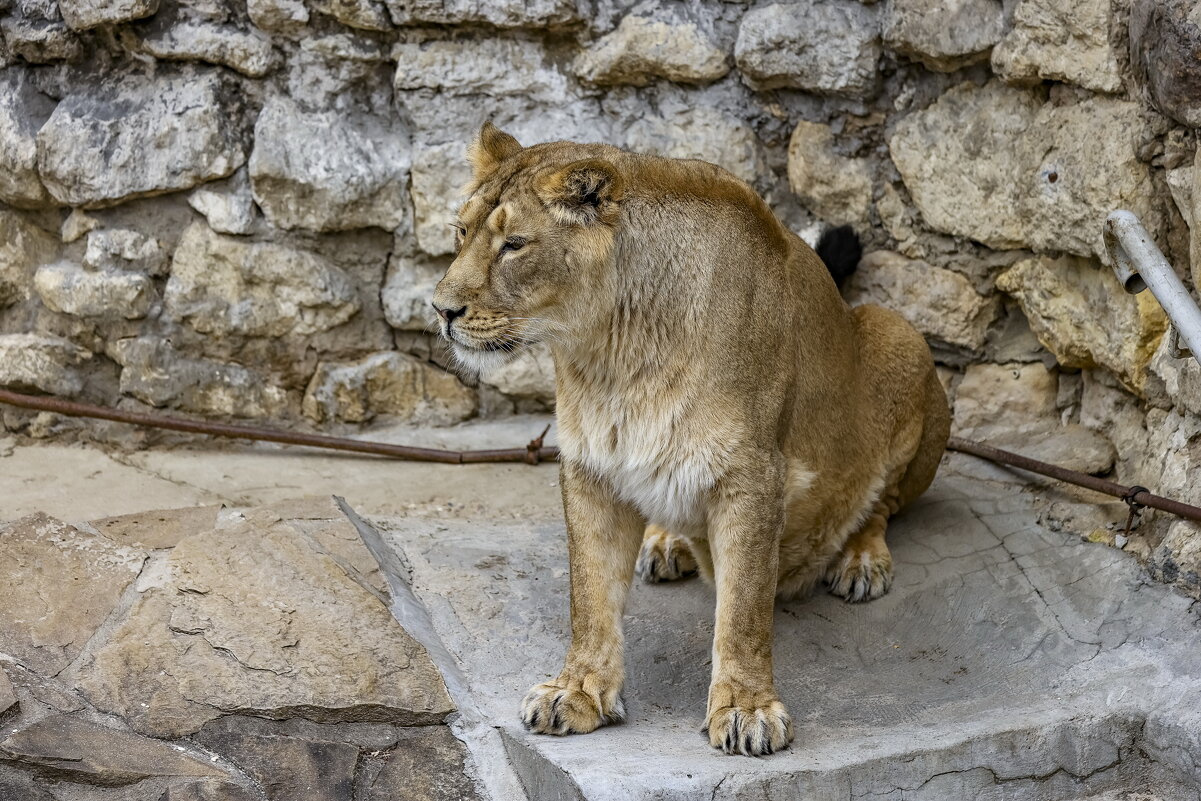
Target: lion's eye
pixel 512 243
pixel 460 230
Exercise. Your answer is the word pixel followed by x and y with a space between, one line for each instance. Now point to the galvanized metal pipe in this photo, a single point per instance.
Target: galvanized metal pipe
pixel 1140 265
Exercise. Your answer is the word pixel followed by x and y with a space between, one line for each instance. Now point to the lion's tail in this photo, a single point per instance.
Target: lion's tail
pixel 841 250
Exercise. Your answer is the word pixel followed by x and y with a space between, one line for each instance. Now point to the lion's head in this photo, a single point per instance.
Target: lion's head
pixel 534 240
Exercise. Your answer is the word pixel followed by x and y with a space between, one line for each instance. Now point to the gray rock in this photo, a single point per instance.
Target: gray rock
pixel 85 14
pixel 832 186
pixel 1068 445
pixel 387 383
pixel 8 696
pixel 72 749
pixel 941 304
pixel 42 363
pixel 1165 37
pixel 23 110
pixel 39 35
pixel 1061 40
pixel 124 249
pixel 493 67
pixel 62 585
pixel 322 644
pixel 290 768
pixel 825 47
pixel 157 374
pixel 644 48
pixel 1031 175
pixel 185 40
pixel 500 13
pixel 691 131
pixel 408 290
pixel 1181 378
pixel 101 295
pixel 944 35
pixel 227 205
pixel 134 136
pixel 77 224
pixel 369 15
pixel 226 285
pixel 428 763
pixel 1004 393
pixel 278 16
pixel 23 248
pixel 439 175
pixel 531 376
pixel 1180 183
pixel 323 172
pixel 206 790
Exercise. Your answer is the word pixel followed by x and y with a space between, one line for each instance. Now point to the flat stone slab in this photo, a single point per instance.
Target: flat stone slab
pixel 1008 661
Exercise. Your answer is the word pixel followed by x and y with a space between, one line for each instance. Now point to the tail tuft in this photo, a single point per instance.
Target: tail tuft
pixel 841 250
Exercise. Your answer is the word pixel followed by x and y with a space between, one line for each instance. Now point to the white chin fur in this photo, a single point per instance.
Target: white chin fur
pixel 481 362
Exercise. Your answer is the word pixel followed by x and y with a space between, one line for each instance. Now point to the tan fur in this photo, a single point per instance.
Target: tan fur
pixel 711 383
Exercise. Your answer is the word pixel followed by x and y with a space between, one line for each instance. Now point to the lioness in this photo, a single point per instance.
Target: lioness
pixel 711 383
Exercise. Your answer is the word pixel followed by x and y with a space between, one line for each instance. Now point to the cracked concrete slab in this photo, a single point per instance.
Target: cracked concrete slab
pixel 1009 661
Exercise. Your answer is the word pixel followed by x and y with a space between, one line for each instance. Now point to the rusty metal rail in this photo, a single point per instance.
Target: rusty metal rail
pixel 535 451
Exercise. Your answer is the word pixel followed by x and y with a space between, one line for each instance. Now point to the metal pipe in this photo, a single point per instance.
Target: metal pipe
pixel 1140 265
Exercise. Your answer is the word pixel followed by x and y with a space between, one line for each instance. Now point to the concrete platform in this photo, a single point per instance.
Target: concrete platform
pixel 1008 662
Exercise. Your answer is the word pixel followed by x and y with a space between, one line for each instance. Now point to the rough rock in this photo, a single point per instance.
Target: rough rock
pixel 221 284
pixel 206 790
pixel 290 768
pixel 38 38
pixel 941 304
pixel 500 13
pixel 278 16
pixel 321 645
pixel 439 175
pixel 77 224
pixel 832 186
pixel 531 375
pixel 75 750
pixel 428 764
pixel 1195 232
pixel 23 248
pixel 1180 183
pixel 101 295
pixel 8 696
pixel 1165 38
pixel 1079 312
pixel 368 15
pixel 1069 445
pixel 158 528
pixel 133 136
pixel 184 40
pixel 124 249
pixel 824 47
pixel 41 363
pixel 491 67
pixel 158 375
pixel 23 110
pixel 643 48
pixel 20 786
pixel 85 14
pixel 699 132
pixel 60 585
pixel 407 292
pixel 387 383
pixel 1060 40
pixel 227 205
pixel 1010 394
pixel 323 172
pixel 1180 378
pixel 1029 174
pixel 944 36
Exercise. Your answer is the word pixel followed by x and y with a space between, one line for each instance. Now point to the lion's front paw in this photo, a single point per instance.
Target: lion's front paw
pixel 570 707
pixel 751 731
pixel 664 557
pixel 861 574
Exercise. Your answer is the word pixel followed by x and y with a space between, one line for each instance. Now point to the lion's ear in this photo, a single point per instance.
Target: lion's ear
pixel 584 192
pixel 490 147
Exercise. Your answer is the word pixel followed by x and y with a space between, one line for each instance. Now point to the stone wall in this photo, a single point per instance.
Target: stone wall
pixel 238 209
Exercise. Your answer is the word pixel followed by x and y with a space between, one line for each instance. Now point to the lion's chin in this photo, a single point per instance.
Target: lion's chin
pixel 478 361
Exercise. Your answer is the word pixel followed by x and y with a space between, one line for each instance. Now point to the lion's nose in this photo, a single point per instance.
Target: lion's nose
pixel 449 314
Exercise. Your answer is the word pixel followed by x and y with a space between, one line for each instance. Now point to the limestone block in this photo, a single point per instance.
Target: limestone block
pixel 124 249
pixel 1060 40
pixel 408 291
pixel 824 47
pixel 23 110
pixel 439 175
pixel 387 383
pixel 185 40
pixel 23 248
pixel 320 645
pixel 1165 38
pixel 85 14
pixel 206 790
pixel 1079 312
pixel 101 295
pixel 643 48
pixel 944 35
pixel 43 363
pixel 61 583
pixel 1013 393
pixel 227 205
pixel 368 15
pixel 941 304
pixel 291 768
pixel 278 16
pixel 77 751
pixel 699 132
pixel 499 13
pixel 226 285
pixel 426 763
pixel 325 172
pixel 531 375
pixel 133 135
pixel 8 696
pixel 832 186
pixel 158 375
pixel 38 35
pixel 493 67
pixel 996 165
